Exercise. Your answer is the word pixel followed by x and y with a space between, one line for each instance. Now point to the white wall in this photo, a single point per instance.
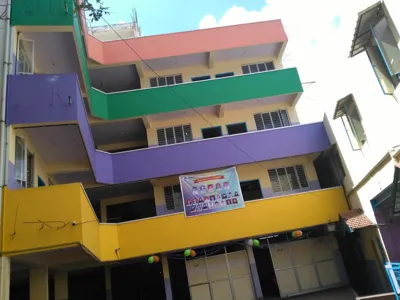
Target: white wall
pixel 380 117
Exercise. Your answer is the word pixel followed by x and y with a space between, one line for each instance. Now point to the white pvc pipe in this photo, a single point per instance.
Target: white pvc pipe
pixel 7 61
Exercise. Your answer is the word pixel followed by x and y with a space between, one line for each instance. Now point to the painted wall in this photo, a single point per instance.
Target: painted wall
pixel 109 242
pixel 246 114
pixel 202 70
pixel 248 172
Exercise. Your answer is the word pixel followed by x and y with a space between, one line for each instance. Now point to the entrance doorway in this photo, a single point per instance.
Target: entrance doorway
pixel 222 274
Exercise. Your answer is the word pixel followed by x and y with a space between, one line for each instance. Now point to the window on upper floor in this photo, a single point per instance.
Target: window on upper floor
pixel 173 197
pixel 347 111
pixel 25 57
pixel 287 179
pixel 166 80
pixel 384 55
pixel 273 119
pixel 174 135
pixel 222 75
pixel 375 35
pixel 201 78
pixel 258 67
pixel 236 128
pixel 24 163
pixel 211 132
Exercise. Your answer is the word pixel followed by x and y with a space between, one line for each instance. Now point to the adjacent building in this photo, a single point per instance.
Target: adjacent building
pixel 98 134
pixel 362 118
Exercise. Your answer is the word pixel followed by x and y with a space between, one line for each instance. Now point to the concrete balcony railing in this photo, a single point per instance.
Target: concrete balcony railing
pixel 78 225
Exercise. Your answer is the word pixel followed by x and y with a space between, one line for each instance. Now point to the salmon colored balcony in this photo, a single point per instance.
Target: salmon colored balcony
pixel 47 222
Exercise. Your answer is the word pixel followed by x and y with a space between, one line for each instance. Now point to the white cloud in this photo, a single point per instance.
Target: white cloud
pixel 121 22
pixel 315 43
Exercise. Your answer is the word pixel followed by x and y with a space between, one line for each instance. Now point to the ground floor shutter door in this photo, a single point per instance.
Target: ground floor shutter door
pixel 305 265
pixel 220 277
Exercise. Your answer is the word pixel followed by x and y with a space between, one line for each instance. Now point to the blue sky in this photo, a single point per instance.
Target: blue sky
pixel 166 16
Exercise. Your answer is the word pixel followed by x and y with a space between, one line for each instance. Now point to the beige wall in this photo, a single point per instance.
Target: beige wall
pixel 230 117
pixel 202 70
pixel 247 172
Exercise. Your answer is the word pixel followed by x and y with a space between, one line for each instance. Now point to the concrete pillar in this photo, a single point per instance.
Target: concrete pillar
pixel 61 286
pixel 108 283
pixel 167 281
pixel 254 273
pixel 4 278
pixel 39 284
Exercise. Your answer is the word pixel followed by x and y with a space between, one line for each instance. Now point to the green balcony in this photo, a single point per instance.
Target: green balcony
pixel 150 101
pixel 42 13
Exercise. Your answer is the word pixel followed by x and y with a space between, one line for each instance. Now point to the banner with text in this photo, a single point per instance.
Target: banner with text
pixel 211 192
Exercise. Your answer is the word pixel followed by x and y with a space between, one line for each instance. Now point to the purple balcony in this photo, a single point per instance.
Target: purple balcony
pixel 46 100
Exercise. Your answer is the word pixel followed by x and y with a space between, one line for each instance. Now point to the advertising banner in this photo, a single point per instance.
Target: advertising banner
pixel 211 192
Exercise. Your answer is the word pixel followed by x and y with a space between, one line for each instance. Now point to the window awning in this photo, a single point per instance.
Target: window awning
pixel 355 219
pixel 340 110
pixel 367 19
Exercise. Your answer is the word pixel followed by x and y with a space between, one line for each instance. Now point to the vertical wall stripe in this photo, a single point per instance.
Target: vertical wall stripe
pixel 254 273
pixel 167 281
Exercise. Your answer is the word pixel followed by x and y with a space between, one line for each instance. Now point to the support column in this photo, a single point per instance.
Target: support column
pixel 254 273
pixel 167 281
pixel 108 283
pixel 61 286
pixel 39 284
pixel 4 278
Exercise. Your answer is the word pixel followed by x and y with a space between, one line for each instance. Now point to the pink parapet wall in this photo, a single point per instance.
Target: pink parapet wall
pixel 184 43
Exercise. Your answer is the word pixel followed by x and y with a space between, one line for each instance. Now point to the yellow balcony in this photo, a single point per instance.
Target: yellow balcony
pixel 61 217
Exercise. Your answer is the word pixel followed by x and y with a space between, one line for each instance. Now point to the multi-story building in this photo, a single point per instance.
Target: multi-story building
pixel 362 117
pixel 98 134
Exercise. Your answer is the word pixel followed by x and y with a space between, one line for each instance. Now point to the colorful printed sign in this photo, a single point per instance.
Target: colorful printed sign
pixel 211 192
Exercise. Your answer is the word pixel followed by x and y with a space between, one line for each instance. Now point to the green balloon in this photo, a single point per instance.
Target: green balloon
pixel 151 259
pixel 256 243
pixel 293 234
pixel 187 252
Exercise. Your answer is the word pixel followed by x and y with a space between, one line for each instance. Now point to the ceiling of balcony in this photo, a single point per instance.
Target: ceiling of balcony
pixel 205 112
pixel 118 132
pixel 256 51
pixel 58 144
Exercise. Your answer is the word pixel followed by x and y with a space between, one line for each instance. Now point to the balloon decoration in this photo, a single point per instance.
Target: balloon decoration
pixel 153 259
pixel 253 243
pixel 189 252
pixel 192 253
pixel 297 234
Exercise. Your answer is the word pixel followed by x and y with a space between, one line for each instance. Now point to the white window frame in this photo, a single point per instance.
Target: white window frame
pixel 280 117
pixel 27 56
pixel 288 178
pixel 173 127
pixel 24 165
pixel 165 77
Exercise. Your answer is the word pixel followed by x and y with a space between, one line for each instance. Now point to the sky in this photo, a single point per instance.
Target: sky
pixel 315 28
